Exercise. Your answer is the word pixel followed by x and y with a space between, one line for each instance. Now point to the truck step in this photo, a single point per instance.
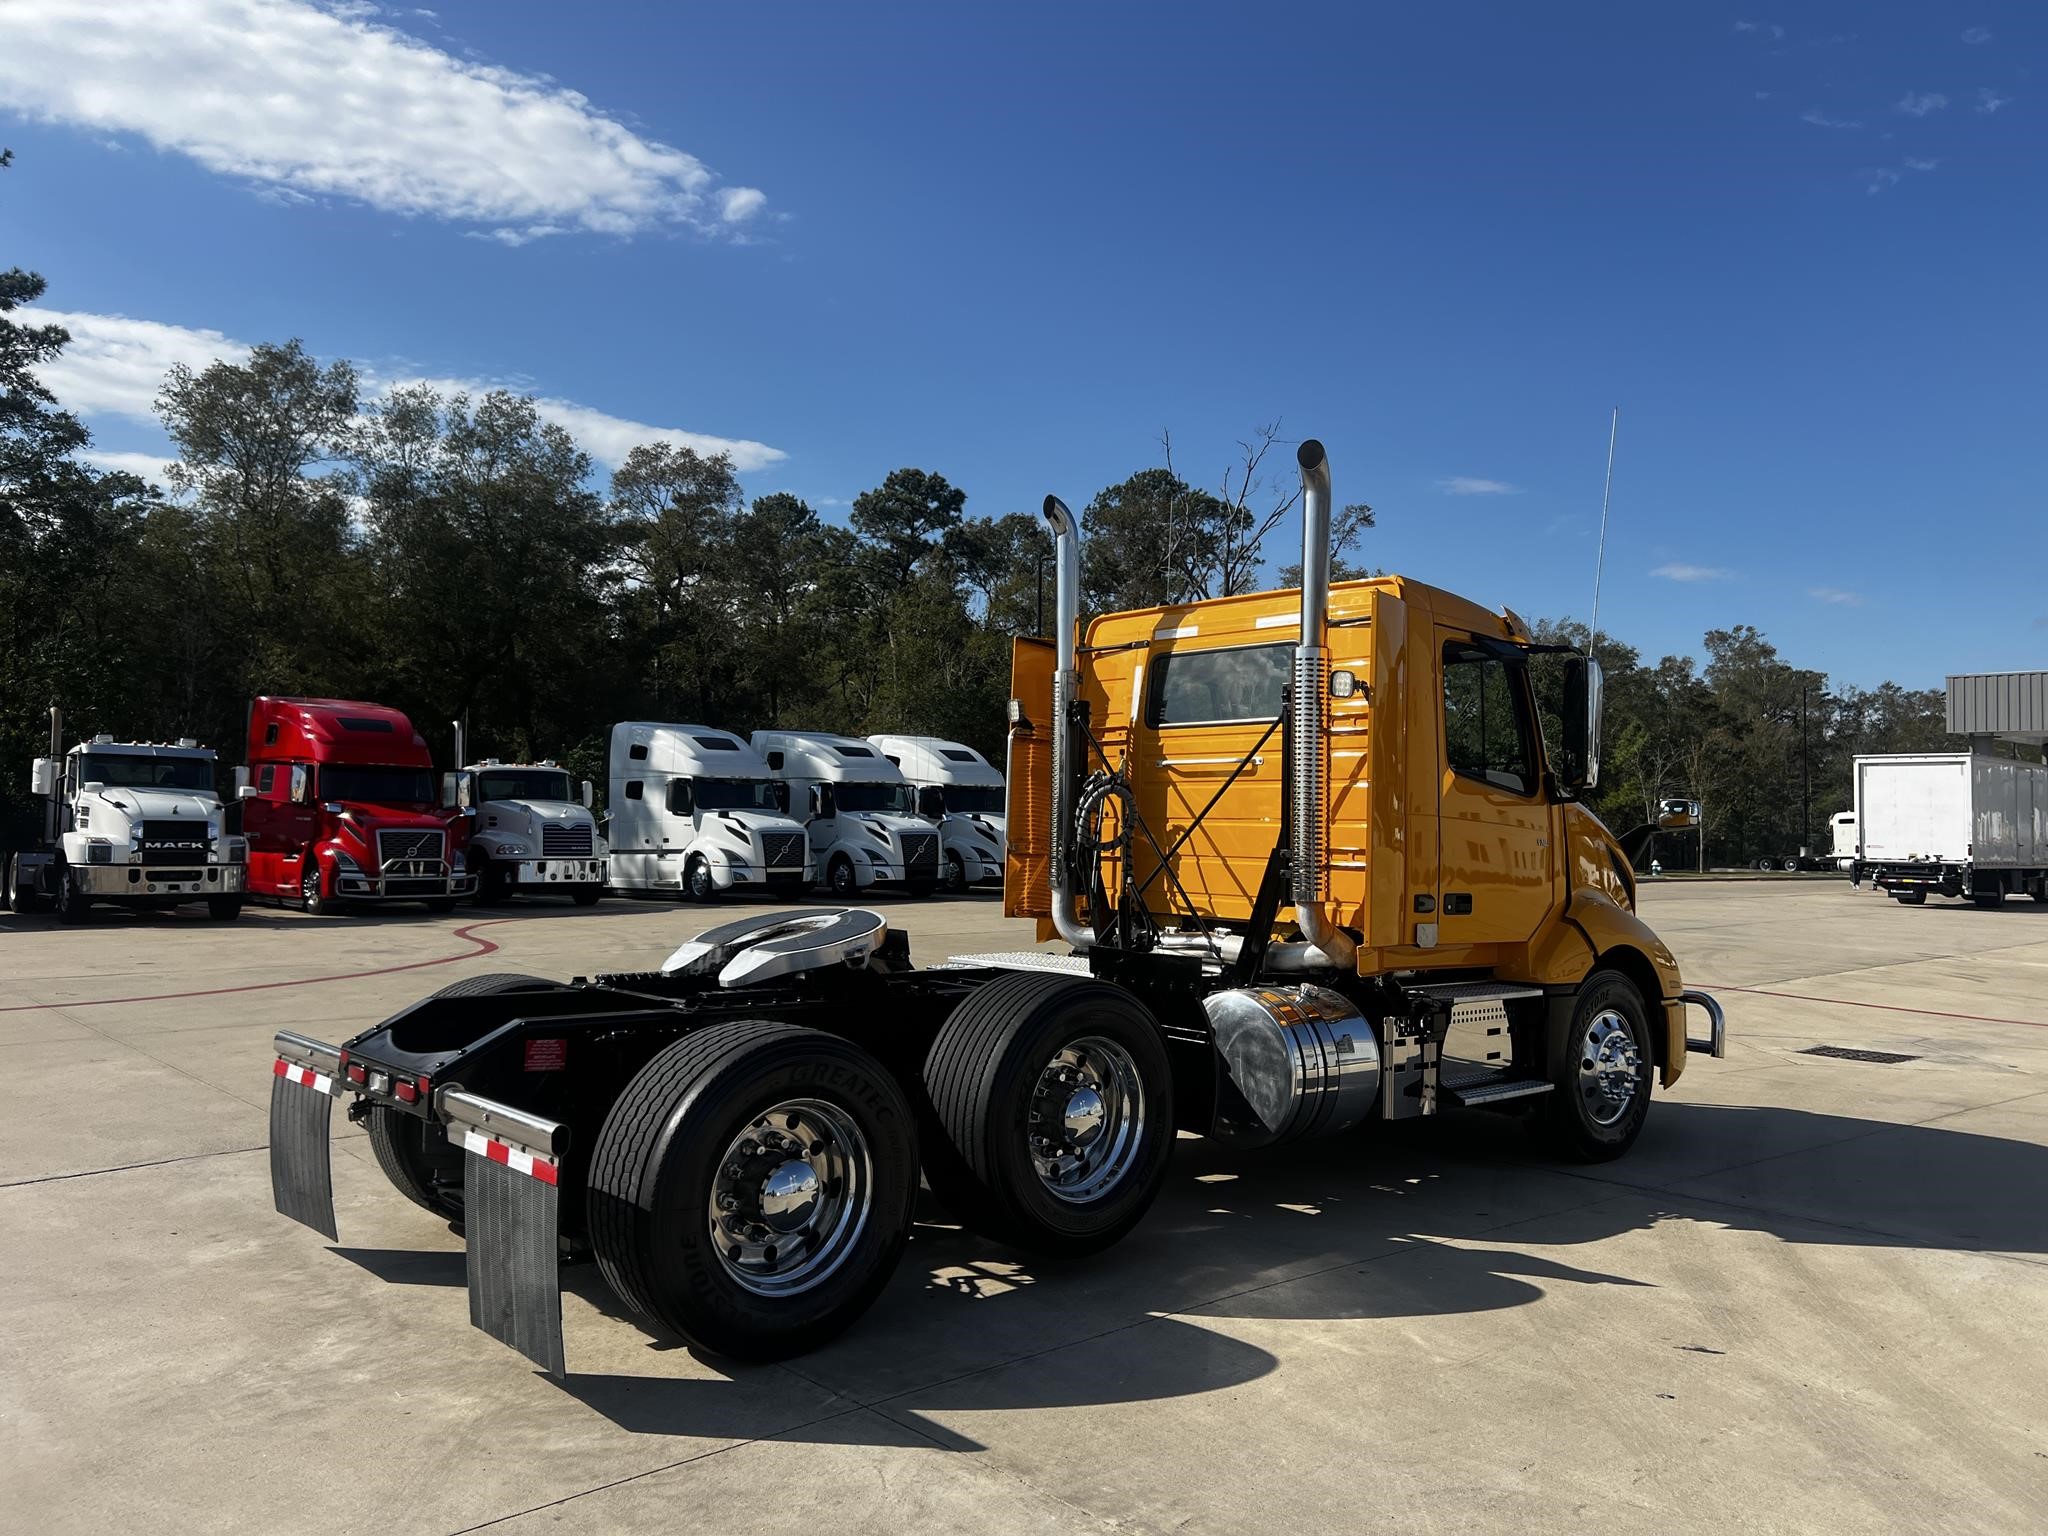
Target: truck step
pixel 1456 992
pixel 1020 960
pixel 1471 1091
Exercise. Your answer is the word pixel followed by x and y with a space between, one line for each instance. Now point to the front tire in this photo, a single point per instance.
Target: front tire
pixel 1051 1100
pixel 1600 1072
pixel 586 895
pixel 697 882
pixel 223 909
pixel 840 878
pixel 752 1188
pixel 313 897
pixel 73 905
pixel 956 875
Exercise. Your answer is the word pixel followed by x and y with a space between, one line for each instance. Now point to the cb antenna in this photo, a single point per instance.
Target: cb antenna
pixel 1600 559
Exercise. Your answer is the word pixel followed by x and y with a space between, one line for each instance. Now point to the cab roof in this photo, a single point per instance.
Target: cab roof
pixel 1446 607
pixel 823 755
pixel 935 760
pixel 334 731
pixel 676 747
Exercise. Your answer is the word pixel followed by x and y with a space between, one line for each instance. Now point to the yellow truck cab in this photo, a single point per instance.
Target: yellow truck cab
pixel 1347 788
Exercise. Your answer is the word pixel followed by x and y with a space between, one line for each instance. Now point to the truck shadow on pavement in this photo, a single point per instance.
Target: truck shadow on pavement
pixel 1406 1222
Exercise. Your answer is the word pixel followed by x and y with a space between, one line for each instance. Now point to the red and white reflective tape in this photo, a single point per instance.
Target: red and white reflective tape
pixel 305 1077
pixel 516 1158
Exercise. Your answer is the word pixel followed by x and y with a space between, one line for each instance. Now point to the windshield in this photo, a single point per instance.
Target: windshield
pixel 735 795
pixel 978 799
pixel 110 768
pixel 387 786
pixel 523 784
pixel 899 798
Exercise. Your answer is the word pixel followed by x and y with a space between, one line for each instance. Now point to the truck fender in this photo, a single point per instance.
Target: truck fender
pixel 1622 941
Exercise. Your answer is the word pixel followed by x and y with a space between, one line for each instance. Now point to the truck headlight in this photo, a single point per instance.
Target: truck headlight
pixel 512 849
pixel 99 851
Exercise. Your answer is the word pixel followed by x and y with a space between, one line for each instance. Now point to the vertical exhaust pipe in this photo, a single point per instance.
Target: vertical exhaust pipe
pixel 56 794
pixel 1066 685
pixel 1309 855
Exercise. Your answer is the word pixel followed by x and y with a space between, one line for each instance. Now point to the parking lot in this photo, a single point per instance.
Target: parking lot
pixel 1813 1296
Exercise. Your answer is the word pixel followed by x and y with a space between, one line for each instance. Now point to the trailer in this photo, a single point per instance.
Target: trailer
pixel 1956 824
pixel 1306 866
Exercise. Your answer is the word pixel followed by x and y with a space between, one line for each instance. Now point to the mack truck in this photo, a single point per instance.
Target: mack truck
pixel 531 834
pixel 133 824
pixel 963 792
pixel 340 805
pixel 1298 862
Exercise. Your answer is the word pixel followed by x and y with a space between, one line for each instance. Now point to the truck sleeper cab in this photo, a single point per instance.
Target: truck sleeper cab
pixel 859 811
pixel 340 805
pixel 130 824
pixel 696 813
pixel 963 792
pixel 532 832
pixel 1304 880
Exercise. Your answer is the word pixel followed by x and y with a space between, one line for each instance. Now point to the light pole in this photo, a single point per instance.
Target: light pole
pixel 1805 781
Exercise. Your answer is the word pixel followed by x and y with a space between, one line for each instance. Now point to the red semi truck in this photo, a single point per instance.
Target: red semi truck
pixel 340 803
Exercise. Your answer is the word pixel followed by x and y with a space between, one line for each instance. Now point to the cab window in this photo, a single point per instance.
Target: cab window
pixel 1486 721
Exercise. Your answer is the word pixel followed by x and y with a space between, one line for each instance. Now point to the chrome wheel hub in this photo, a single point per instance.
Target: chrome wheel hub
pixel 790 1197
pixel 1610 1068
pixel 1087 1119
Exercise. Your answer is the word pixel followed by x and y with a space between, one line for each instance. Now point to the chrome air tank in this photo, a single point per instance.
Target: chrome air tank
pixel 1292 1061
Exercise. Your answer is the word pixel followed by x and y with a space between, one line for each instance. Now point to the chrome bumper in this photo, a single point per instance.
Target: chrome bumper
pixel 1716 1044
pixel 576 871
pixel 354 885
pixel 188 881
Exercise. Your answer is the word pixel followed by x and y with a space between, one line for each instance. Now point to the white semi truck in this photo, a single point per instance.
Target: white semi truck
pixel 1952 824
pixel 860 811
pixel 128 824
pixel 695 812
pixel 534 832
pixel 963 792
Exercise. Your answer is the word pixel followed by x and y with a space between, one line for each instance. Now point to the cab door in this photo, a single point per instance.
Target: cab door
pixel 1495 862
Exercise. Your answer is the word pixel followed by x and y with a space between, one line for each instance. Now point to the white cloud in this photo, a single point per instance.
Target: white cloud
pixel 1820 119
pixel 1837 596
pixel 1975 35
pixel 1760 27
pixel 294 98
pixel 1920 103
pixel 115 366
pixel 150 466
pixel 1472 485
pixel 1678 570
pixel 1921 163
pixel 1879 179
pixel 1989 101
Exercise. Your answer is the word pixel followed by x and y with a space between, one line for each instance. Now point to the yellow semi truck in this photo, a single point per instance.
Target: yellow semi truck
pixel 1309 864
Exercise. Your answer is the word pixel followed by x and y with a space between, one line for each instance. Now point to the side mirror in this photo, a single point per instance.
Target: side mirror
pixel 42 777
pixel 681 801
pixel 778 791
pixel 931 801
pixel 1583 685
pixel 331 807
pixel 1677 815
pixel 589 795
pixel 823 801
pixel 449 792
pixel 246 791
pixel 301 784
pixel 241 781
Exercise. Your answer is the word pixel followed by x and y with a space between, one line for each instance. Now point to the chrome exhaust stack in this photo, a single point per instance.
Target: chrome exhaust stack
pixel 1309 856
pixel 1066 684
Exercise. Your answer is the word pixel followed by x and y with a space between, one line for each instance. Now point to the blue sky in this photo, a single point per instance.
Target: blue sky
pixel 1801 247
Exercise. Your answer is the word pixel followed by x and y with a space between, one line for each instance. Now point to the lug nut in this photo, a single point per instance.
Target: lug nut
pixel 728 1202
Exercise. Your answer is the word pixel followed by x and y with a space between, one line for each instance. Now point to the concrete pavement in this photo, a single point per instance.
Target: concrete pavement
pixel 1813 1296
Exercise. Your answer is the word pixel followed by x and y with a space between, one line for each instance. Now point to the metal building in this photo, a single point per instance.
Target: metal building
pixel 2012 706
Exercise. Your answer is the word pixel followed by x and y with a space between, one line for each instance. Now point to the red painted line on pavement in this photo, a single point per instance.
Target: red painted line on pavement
pixel 1843 1002
pixel 466 933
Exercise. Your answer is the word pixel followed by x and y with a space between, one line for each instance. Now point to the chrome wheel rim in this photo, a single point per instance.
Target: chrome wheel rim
pixel 1087 1119
pixel 1610 1068
pixel 790 1197
pixel 309 885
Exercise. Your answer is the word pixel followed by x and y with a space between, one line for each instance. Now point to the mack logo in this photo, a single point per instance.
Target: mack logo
pixel 186 844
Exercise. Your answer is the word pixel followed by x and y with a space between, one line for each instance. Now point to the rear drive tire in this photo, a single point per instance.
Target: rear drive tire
pixel 1601 1071
pixel 815 1225
pixel 1051 1100
pixel 223 909
pixel 23 898
pixel 1910 898
pixel 1987 899
pixel 586 895
pixel 419 1160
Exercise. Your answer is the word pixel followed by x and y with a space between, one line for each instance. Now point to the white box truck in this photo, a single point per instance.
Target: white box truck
pixel 534 832
pixel 130 824
pixel 860 811
pixel 1952 824
pixel 695 812
pixel 963 792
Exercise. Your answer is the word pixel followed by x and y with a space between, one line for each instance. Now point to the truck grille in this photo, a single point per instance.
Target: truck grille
pixel 173 842
pixel 783 850
pixel 561 840
pixel 410 849
pixel 920 853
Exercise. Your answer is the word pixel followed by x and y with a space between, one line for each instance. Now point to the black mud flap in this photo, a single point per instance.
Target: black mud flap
pixel 304 1085
pixel 509 1215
